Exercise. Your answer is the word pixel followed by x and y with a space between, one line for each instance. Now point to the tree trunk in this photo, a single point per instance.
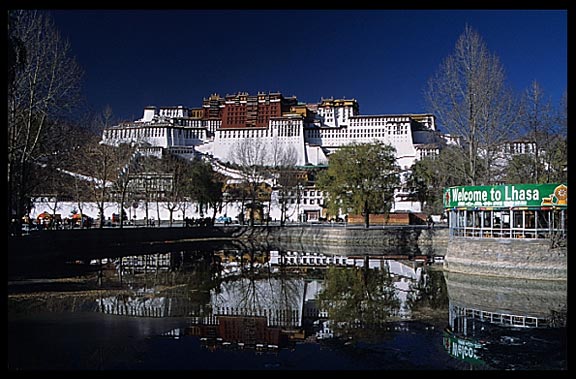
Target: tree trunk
pixel 366 215
pixel 252 207
pixel 147 222
pixel 122 199
pixel 214 213
pixel 158 209
pixel 102 218
pixel 81 217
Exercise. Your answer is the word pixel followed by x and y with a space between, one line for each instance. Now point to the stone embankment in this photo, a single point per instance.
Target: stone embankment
pixel 518 258
pixel 507 295
pixel 504 257
pixel 409 241
pixel 397 241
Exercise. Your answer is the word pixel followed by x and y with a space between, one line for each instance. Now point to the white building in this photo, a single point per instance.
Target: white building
pixel 307 133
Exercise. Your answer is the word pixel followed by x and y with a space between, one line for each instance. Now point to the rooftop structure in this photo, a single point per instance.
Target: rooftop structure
pixel 283 130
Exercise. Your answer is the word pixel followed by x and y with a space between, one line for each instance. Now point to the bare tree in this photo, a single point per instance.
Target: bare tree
pixel 205 187
pixel 122 185
pixel 60 170
pixel 175 197
pixel 289 181
pixel 282 170
pixel 281 156
pixel 557 157
pixel 173 201
pixel 563 115
pixel 237 192
pixel 44 82
pixel 469 96
pixel 149 178
pixel 183 205
pixel 80 193
pixel 538 124
pixel 555 152
pixel 102 164
pixel 50 171
pixel 252 157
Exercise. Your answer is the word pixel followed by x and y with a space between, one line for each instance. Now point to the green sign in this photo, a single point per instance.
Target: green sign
pixel 463 349
pixel 509 195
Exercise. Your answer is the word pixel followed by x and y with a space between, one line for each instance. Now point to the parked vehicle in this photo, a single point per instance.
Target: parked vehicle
pixel 438 259
pixel 224 220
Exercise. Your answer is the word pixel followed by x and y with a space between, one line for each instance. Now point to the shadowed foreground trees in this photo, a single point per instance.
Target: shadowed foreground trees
pixel 179 168
pixel 103 164
pixel 206 187
pixel 43 83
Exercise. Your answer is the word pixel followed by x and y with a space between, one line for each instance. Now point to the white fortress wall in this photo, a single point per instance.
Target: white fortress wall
pixel 155 135
pixel 336 124
pixel 315 155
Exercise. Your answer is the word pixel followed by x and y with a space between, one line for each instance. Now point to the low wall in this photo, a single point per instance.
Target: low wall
pixel 113 242
pixel 405 240
pixel 518 258
pixel 515 258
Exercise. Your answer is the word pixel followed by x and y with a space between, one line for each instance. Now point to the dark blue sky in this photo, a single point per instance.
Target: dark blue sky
pixel 382 58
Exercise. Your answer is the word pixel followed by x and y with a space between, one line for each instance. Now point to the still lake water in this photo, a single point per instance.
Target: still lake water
pixel 230 309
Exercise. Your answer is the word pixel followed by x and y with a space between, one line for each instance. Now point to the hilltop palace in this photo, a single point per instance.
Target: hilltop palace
pixel 280 126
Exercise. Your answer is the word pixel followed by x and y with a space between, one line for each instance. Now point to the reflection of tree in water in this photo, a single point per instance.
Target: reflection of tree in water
pixel 153 285
pixel 191 268
pixel 258 291
pixel 187 281
pixel 429 294
pixel 358 300
pixel 194 277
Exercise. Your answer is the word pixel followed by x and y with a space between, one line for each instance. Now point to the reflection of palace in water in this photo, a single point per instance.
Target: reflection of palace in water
pixel 406 274
pixel 256 301
pixel 278 300
pixel 240 332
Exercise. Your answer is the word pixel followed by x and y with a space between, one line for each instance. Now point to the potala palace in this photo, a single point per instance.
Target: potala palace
pixel 280 127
